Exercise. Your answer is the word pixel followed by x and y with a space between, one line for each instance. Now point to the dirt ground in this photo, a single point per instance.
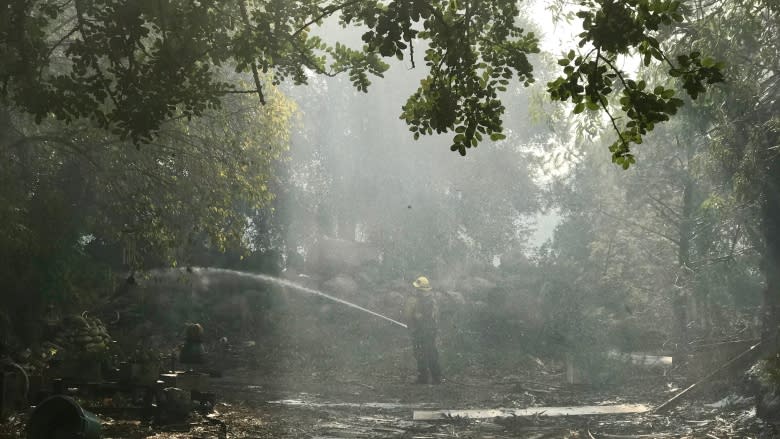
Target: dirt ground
pixel 321 374
pixel 348 404
pixel 368 407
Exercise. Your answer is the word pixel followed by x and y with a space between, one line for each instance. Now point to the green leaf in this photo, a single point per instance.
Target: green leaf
pixel 708 62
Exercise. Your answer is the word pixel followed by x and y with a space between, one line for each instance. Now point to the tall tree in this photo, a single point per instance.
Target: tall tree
pixel 78 203
pixel 745 123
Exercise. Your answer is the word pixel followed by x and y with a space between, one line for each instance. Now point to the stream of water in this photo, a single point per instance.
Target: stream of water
pixel 298 287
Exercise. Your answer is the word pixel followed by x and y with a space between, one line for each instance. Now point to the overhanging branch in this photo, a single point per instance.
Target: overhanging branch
pixel 326 12
pixel 255 74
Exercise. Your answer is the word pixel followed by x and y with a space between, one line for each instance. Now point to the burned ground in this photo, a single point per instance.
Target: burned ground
pixel 317 369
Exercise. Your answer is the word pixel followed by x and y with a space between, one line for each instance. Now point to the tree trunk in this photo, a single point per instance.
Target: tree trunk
pixel 683 296
pixel 771 263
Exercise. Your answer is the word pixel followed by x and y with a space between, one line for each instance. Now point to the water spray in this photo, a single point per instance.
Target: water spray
pixel 295 286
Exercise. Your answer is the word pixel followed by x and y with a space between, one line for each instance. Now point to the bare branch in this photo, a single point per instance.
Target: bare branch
pixel 665 211
pixel 640 226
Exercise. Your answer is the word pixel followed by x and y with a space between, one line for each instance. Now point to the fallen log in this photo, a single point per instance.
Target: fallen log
pixel 634 436
pixel 642 359
pixel 678 397
pixel 440 415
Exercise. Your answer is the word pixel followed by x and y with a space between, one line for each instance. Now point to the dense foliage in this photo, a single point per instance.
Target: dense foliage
pixel 611 29
pixel 129 66
pixel 691 230
pixel 78 204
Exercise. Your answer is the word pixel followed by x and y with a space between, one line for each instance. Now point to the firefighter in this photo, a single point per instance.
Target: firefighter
pixel 420 313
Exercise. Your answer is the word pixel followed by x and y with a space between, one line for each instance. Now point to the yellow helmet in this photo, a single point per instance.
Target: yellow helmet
pixel 422 283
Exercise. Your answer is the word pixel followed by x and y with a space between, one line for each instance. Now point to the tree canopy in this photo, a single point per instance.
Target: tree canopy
pixel 129 66
pixel 696 225
pixel 76 203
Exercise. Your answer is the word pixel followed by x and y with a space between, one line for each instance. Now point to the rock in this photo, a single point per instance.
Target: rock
pixel 476 285
pixel 330 255
pixel 768 407
pixel 402 285
pixel 366 279
pixel 393 300
pixel 174 404
pixel 455 297
pixel 762 382
pixel 341 285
